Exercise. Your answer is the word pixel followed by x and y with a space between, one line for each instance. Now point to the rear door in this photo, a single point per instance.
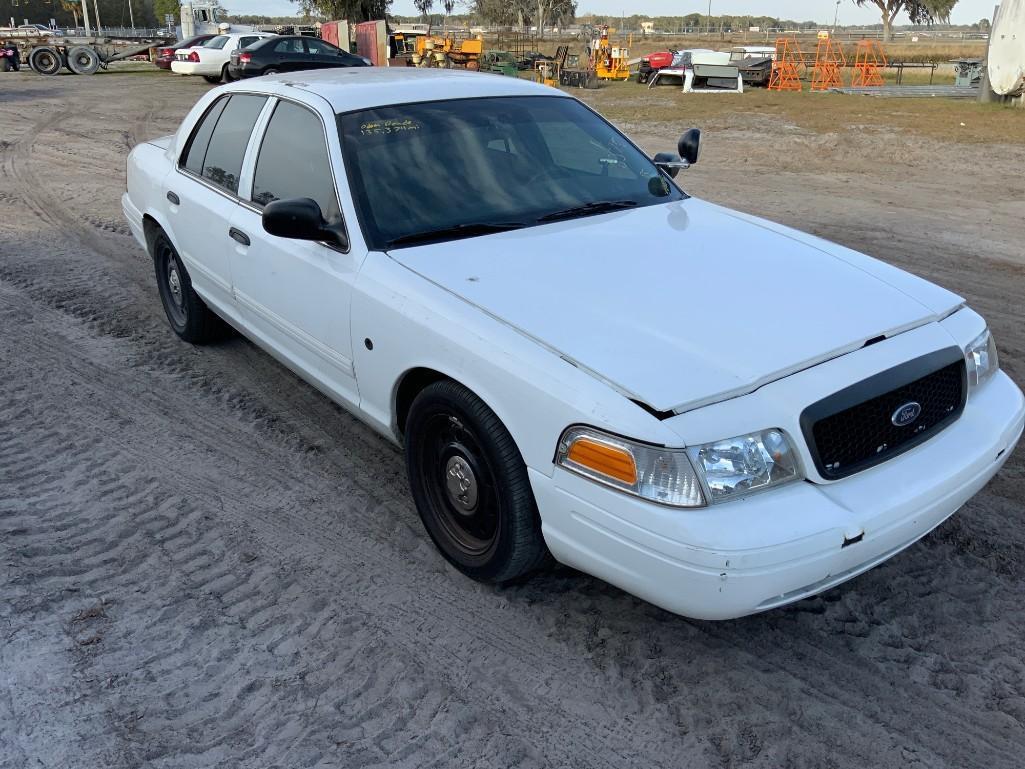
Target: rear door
pixel 295 295
pixel 202 196
pixel 290 55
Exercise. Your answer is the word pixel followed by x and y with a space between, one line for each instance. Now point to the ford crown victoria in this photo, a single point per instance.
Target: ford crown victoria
pixel 714 412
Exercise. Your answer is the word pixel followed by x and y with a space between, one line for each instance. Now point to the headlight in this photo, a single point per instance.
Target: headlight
pixel 747 463
pixel 654 473
pixel 981 358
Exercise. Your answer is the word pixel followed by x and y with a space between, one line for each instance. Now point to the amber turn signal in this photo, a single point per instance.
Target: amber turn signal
pixel 611 461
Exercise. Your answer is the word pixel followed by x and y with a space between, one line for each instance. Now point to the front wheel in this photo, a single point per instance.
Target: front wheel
pixel 470 485
pixel 188 315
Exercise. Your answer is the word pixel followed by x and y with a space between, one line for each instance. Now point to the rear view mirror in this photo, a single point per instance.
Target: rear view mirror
pixel 302 219
pixel 690 145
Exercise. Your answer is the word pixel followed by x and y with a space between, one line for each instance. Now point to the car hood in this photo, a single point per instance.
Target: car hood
pixel 682 304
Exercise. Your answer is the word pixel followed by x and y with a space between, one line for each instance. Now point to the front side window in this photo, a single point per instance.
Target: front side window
pixel 464 167
pixel 294 162
pixel 319 47
pixel 216 153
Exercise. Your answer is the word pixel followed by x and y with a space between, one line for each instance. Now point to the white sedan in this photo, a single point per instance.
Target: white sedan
pixel 212 59
pixel 714 412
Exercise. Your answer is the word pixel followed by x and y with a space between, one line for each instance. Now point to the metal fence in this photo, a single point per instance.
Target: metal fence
pixel 120 32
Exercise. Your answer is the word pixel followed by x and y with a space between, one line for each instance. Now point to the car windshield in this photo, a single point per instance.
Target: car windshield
pixel 434 171
pixel 216 42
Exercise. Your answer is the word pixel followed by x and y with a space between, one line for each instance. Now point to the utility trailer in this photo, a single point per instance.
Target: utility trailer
pixel 83 55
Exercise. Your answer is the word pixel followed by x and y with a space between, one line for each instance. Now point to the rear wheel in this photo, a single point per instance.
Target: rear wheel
pixel 213 79
pixel 226 75
pixel 470 485
pixel 270 71
pixel 189 317
pixel 83 60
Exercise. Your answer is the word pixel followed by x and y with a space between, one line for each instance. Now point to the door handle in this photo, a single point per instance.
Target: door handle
pixel 173 198
pixel 237 235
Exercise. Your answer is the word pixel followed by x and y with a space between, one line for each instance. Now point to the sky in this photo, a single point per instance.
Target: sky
pixel 965 12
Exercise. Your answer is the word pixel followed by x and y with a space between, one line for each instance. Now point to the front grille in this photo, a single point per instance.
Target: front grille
pixel 854 429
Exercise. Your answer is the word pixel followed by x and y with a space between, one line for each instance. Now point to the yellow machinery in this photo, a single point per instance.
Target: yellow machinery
pixel 546 72
pixel 609 62
pixel 438 51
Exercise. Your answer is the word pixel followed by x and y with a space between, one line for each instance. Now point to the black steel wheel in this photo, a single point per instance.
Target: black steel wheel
pixel 187 314
pixel 470 485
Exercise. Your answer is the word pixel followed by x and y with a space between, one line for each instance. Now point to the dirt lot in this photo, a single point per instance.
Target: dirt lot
pixel 206 563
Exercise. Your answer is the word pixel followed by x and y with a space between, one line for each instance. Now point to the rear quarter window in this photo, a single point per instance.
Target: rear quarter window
pixel 216 153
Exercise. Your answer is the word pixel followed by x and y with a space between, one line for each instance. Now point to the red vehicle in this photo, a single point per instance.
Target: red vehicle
pixel 165 53
pixel 652 63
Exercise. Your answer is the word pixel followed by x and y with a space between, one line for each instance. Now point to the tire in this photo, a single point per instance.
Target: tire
pixel 4 64
pixel 270 71
pixel 83 60
pixel 187 314
pixel 212 79
pixel 45 60
pixel 470 485
pixel 226 75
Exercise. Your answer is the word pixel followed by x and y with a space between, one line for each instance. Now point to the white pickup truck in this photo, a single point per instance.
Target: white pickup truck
pixel 212 58
pixel 714 412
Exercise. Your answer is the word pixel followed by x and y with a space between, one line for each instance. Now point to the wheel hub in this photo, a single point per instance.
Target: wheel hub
pixel 175 284
pixel 461 485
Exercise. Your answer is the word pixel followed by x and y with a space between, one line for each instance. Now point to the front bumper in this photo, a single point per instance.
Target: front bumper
pixel 777 547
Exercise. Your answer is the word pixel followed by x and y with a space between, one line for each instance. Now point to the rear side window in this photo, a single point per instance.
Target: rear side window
pixel 196 150
pixel 226 141
pixel 293 161
pixel 289 46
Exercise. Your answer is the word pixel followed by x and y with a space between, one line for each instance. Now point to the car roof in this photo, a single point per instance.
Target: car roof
pixel 353 88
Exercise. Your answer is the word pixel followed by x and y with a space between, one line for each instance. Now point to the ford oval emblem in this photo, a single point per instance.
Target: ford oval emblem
pixel 906 414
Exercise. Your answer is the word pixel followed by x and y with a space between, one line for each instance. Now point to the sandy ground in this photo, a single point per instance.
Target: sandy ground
pixel 205 563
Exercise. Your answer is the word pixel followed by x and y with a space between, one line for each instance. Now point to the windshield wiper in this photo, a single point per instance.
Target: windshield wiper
pixel 458 230
pixel 596 207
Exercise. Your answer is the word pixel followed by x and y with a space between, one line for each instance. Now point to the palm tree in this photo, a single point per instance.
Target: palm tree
pixel 71 6
pixel 449 5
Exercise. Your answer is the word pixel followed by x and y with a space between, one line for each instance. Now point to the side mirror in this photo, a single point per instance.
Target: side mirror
pixel 302 219
pixel 670 163
pixel 690 145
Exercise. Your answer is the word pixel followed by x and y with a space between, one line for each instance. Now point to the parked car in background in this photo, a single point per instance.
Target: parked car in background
pixel 709 410
pixel 165 53
pixel 30 30
pixel 290 53
pixel 212 59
